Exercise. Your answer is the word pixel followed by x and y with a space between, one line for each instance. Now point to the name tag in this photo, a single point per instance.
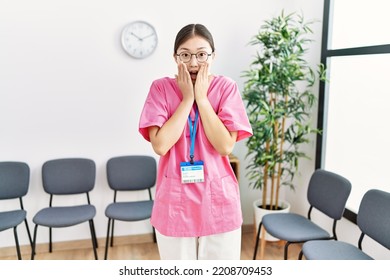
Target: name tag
pixel 192 173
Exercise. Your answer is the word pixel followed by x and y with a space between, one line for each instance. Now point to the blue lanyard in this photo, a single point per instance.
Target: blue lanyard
pixel 192 134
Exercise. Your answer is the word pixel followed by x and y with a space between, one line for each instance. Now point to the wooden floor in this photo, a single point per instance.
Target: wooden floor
pixel 148 251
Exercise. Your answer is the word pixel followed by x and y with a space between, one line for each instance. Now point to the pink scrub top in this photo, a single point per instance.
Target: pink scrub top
pixel 195 209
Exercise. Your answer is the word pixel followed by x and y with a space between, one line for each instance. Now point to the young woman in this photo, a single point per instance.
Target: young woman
pixel 193 122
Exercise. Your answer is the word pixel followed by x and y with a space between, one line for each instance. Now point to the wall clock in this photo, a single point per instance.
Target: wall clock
pixel 139 39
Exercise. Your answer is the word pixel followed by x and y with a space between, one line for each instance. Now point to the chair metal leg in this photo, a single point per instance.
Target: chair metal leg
pixel 112 233
pixel 300 255
pixel 107 238
pixel 94 235
pixel 28 231
pixel 17 244
pixel 50 243
pixel 154 236
pixel 34 242
pixel 257 241
pixel 93 238
pixel 286 250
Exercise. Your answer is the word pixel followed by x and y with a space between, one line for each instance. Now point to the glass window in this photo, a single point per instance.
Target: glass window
pixel 357 125
pixel 359 23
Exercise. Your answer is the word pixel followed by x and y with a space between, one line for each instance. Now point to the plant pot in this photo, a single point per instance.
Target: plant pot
pixel 260 212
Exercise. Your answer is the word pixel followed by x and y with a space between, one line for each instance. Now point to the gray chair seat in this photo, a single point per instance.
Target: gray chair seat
pixel 327 192
pixel 14 185
pixel 293 227
pixel 373 219
pixel 130 211
pixel 333 250
pixel 11 219
pixel 57 217
pixel 63 177
pixel 131 173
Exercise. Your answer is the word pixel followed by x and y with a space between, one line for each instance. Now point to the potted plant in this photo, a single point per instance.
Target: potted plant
pixel 279 97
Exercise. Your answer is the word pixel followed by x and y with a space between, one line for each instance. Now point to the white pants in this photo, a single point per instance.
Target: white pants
pixel 223 246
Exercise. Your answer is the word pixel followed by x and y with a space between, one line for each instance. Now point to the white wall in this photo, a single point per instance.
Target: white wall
pixel 67 89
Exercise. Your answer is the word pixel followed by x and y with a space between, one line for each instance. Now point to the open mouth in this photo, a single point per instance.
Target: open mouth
pixel 193 75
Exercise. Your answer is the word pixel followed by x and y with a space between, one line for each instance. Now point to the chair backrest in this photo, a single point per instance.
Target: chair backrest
pixel 329 192
pixel 373 216
pixel 14 179
pixel 68 176
pixel 133 172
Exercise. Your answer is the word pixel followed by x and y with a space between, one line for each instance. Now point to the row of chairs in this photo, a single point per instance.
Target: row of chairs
pixel 76 176
pixel 328 193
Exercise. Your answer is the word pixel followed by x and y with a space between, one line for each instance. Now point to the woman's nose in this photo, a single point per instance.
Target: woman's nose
pixel 193 61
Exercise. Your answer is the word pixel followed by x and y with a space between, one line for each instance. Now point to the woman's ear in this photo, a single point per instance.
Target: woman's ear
pixel 176 58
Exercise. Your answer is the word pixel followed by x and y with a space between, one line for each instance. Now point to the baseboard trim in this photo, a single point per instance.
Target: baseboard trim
pixel 86 243
pixel 77 244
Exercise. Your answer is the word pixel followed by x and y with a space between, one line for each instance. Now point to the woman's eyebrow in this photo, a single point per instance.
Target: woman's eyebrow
pixel 186 49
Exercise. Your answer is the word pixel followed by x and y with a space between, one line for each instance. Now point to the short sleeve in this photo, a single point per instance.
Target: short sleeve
pixel 154 112
pixel 232 111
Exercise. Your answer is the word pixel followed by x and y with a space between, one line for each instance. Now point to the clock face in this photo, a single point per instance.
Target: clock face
pixel 139 39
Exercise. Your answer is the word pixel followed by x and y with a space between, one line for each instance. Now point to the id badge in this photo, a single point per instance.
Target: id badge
pixel 192 173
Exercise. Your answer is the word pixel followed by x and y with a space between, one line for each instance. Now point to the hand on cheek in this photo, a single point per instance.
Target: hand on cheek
pixel 184 82
pixel 202 82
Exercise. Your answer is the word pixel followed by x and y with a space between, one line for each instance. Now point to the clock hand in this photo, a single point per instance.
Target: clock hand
pixel 147 36
pixel 136 36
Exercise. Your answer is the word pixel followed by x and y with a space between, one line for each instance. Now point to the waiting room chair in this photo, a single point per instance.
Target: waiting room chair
pixel 63 177
pixel 14 184
pixel 125 174
pixel 373 219
pixel 327 192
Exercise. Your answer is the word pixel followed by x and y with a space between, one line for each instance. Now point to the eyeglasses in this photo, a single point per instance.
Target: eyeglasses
pixel 200 56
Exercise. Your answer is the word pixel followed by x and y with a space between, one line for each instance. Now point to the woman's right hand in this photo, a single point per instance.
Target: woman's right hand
pixel 184 82
pixel 164 137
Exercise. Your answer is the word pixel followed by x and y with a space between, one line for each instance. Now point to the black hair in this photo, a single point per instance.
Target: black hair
pixel 192 30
